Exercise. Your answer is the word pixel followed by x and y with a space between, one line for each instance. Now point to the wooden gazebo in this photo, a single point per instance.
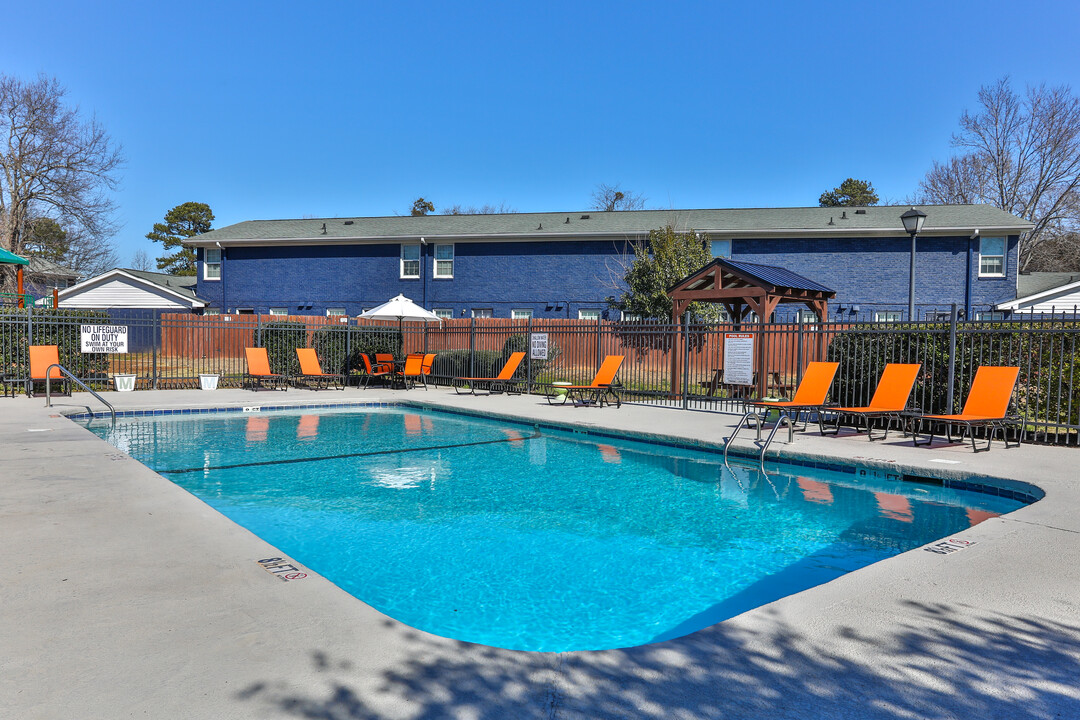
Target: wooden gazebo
pixel 742 288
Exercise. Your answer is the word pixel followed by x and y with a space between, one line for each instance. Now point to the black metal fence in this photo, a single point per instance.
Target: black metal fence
pixel 665 364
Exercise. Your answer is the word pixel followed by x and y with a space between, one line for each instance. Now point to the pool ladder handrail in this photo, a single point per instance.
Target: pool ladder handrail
pixel 784 419
pixel 77 381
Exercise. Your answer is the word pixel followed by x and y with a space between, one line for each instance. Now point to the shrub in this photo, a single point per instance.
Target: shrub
pixel 520 343
pixel 371 340
pixel 52 327
pixel 281 340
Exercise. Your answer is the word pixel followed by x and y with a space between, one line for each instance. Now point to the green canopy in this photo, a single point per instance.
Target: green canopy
pixel 12 259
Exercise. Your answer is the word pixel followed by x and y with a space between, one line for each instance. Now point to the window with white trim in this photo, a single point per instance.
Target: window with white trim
pixel 522 314
pixel 335 312
pixel 245 311
pixel 410 262
pixel 990 316
pixel 588 314
pixel 211 311
pixel 212 264
pixel 807 317
pixel 444 313
pixel 720 248
pixel 888 316
pixel 991 257
pixel 279 311
pixel 444 260
pixel 482 313
pixel 631 317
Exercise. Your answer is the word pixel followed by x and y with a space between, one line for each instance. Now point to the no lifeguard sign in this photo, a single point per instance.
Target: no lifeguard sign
pixel 104 338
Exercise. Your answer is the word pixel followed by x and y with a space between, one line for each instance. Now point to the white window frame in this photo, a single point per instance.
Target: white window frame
pixel 436 260
pixel 335 312
pixel 209 311
pixel 582 312
pixel 245 311
pixel 630 317
pixel 889 316
pixel 484 313
pixel 521 314
pixel 806 317
pixel 208 264
pixel 279 312
pixel 985 256
pixel 402 274
pixel 990 316
pixel 444 313
pixel 714 243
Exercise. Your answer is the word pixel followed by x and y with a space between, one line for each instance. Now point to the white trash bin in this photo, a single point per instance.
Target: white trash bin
pixel 208 381
pixel 124 382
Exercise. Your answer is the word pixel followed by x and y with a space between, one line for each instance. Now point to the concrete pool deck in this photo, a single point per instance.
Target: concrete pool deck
pixel 124 596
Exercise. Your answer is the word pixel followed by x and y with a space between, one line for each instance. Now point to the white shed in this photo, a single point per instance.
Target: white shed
pixel 131 289
pixel 1045 293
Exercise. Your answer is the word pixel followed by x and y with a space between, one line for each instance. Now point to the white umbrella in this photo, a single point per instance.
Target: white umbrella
pixel 401 309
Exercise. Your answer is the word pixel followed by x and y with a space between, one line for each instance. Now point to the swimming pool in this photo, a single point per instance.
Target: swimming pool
pixel 535 538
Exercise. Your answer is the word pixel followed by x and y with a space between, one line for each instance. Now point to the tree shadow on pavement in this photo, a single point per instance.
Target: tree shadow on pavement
pixel 946 661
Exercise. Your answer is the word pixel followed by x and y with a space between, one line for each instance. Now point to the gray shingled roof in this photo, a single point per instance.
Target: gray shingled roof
pixel 780 222
pixel 183 284
pixel 1035 283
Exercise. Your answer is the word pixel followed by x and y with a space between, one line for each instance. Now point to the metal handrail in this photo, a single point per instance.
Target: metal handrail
pixel 77 381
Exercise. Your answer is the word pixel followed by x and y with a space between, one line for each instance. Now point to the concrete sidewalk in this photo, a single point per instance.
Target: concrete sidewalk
pixel 127 597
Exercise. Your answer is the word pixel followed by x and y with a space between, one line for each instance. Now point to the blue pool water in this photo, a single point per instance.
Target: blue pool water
pixel 537 539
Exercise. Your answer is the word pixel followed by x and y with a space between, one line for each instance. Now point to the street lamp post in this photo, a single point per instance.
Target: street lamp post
pixel 913 221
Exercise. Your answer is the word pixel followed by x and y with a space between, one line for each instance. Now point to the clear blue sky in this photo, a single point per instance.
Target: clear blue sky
pixel 278 110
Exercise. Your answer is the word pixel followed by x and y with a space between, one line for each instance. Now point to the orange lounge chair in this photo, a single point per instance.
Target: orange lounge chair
pixel 809 396
pixel 42 357
pixel 413 370
pixel 373 372
pixel 311 371
pixel 603 387
pixel 987 405
pixel 890 399
pixel 259 371
pixel 503 382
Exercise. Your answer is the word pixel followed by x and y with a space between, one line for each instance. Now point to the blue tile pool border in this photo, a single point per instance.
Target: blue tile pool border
pixel 1021 492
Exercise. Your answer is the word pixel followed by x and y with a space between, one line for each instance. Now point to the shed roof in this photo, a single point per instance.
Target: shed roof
pixel 879 220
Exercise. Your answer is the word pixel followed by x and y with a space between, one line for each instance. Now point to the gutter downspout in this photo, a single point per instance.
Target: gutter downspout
pixel 224 306
pixel 423 274
pixel 967 275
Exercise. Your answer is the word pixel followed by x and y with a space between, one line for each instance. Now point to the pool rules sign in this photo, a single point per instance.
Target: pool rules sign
pixel 104 338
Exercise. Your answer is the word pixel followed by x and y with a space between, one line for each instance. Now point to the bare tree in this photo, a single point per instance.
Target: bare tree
pixel 1021 154
pixel 140 260
pixel 55 164
pixel 501 209
pixel 612 197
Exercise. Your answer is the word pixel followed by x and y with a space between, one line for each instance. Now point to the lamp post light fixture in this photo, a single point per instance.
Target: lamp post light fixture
pixel 913 221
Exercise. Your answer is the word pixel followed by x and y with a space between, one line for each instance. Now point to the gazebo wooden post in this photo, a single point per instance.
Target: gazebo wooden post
pixel 19 284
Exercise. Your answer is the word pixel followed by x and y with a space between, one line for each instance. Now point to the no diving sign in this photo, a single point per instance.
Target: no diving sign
pixel 104 338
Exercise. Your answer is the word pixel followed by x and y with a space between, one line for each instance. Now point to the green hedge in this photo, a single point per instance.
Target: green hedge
pixel 51 327
pixel 281 340
pixel 1048 355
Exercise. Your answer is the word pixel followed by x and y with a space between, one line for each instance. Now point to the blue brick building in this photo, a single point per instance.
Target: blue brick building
pixel 569 264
